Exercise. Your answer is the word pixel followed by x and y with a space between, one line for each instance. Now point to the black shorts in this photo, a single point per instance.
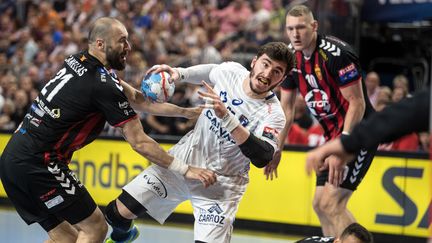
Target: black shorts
pixel 47 194
pixel 357 169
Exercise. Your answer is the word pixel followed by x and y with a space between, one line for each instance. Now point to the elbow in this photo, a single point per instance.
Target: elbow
pixel 262 162
pixel 140 148
pixel 258 151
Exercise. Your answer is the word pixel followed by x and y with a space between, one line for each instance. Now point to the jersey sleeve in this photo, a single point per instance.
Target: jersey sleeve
pixel 108 97
pixel 345 68
pixel 271 126
pixel 396 120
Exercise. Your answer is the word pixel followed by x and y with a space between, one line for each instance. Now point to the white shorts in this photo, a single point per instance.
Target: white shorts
pixel 160 191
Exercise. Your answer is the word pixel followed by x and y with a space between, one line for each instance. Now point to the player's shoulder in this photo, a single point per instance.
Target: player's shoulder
pixel 333 47
pixel 231 67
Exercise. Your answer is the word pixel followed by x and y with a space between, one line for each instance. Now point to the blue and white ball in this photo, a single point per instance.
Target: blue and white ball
pixel 156 87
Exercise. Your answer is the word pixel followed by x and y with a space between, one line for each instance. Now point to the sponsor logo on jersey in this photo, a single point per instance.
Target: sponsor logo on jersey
pixel 77 67
pixel 154 184
pixel 318 72
pixel 41 107
pixel 316 105
pixel 323 55
pixel 216 127
pixel 347 73
pixel 212 216
pixel 244 121
pixel 270 133
pixel 123 105
pixel 33 120
pixel 54 202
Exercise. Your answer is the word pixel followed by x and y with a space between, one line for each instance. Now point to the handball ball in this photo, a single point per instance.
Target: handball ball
pixel 156 87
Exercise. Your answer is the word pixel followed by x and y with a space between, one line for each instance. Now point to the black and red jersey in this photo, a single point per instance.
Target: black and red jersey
pixel 71 111
pixel 333 65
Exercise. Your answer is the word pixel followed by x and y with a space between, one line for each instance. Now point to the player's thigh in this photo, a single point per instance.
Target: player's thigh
pixel 93 223
pixel 354 171
pixel 156 191
pixel 47 194
pixel 214 219
pixel 63 232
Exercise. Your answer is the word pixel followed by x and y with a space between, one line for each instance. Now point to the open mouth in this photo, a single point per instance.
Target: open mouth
pixel 263 80
pixel 123 56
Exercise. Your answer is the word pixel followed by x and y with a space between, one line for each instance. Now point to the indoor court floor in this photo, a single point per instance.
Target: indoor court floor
pixel 14 230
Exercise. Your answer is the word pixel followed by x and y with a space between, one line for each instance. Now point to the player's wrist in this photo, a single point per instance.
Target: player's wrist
pixel 178 166
pixel 182 74
pixel 229 122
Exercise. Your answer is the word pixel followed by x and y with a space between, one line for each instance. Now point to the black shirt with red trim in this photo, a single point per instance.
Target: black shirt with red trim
pixel 71 111
pixel 331 67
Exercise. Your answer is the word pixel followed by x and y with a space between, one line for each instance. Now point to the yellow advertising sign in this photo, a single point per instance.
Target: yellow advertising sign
pixel 393 197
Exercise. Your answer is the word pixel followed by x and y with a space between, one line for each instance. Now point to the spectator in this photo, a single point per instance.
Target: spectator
pixel 372 83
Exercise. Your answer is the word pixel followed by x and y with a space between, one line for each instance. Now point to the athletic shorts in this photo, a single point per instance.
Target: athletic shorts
pixel 354 170
pixel 46 194
pixel 159 191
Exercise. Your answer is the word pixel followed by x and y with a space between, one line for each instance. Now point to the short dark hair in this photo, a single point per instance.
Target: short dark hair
pixel 299 10
pixel 359 232
pixel 101 28
pixel 278 51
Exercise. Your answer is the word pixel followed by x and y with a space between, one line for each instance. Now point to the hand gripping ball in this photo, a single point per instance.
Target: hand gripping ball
pixel 156 87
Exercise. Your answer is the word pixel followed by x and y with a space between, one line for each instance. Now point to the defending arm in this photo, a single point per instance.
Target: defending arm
pixel 258 151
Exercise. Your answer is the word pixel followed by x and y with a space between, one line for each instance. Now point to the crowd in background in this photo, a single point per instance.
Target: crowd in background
pixel 36 36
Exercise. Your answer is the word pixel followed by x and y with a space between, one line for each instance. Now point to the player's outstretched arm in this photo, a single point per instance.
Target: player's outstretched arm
pixel 147 147
pixel 194 74
pixel 288 98
pixel 138 102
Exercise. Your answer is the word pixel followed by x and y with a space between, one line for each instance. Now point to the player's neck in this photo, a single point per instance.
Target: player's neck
pixel 307 52
pixel 98 55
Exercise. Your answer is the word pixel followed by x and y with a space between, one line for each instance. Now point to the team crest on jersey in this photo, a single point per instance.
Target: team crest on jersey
pixel 270 133
pixel 348 72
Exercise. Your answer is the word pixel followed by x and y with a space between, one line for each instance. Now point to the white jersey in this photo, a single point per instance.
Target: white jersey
pixel 209 145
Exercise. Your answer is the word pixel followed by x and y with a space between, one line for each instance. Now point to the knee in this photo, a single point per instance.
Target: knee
pixel 101 226
pixel 327 206
pixel 97 230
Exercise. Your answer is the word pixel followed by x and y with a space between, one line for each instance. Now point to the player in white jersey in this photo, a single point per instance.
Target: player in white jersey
pixel 238 125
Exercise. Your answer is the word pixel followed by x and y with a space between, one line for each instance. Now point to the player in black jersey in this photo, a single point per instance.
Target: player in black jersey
pixel 69 113
pixel 354 233
pixel 405 117
pixel 328 76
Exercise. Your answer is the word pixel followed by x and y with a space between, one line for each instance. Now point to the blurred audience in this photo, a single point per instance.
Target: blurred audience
pixel 36 36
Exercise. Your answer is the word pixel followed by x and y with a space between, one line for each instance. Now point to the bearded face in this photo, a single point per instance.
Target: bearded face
pixel 259 80
pixel 116 58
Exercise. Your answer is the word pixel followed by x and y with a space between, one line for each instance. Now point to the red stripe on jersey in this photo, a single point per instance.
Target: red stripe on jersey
pixel 83 133
pixel 332 84
pixel 60 143
pixel 302 84
pixel 125 121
